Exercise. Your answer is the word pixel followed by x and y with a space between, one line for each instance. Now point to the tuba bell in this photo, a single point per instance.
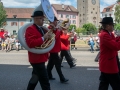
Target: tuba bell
pixel 48 44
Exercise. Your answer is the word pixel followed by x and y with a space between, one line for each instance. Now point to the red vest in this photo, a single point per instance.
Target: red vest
pixel 34 38
pixel 65 43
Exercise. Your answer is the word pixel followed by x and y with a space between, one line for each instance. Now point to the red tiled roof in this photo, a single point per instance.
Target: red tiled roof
pixel 110 7
pixel 27 12
pixel 20 12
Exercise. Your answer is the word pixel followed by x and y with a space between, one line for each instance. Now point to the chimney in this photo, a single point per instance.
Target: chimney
pixel 63 6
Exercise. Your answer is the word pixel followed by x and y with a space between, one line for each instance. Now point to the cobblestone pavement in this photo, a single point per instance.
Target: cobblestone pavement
pixel 15 72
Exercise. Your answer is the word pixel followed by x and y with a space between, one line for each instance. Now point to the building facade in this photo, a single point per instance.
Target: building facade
pixel 89 12
pixel 109 11
pixel 62 12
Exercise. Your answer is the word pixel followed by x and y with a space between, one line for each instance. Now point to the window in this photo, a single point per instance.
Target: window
pixel 107 9
pixel 110 15
pixel 93 8
pixel 13 23
pixel 94 18
pixel 61 15
pixel 74 22
pixel 91 12
pixel 14 32
pixel 67 16
pixel 22 23
pixel 74 17
pixel 70 16
pixel 96 12
pixel 105 15
pixel 70 22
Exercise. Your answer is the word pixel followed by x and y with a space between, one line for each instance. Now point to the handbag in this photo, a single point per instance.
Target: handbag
pixel 88 42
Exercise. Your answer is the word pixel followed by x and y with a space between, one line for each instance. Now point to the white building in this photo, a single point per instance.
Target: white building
pixel 109 11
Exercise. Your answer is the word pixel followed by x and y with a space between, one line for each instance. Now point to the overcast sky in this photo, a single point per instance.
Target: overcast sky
pixel 34 3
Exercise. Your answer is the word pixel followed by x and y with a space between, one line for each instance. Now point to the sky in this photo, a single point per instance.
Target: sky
pixel 34 3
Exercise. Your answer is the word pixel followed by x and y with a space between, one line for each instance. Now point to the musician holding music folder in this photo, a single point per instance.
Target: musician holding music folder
pixel 54 58
pixel 108 60
pixel 35 35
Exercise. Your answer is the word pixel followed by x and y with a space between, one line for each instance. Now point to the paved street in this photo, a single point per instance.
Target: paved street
pixel 15 72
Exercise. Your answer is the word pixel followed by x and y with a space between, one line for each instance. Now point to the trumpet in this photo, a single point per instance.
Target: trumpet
pixel 63 24
pixel 48 41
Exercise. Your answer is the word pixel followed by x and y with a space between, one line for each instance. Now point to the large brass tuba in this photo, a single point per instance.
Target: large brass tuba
pixel 48 44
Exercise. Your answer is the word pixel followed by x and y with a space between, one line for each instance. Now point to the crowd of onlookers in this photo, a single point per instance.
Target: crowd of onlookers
pixel 8 42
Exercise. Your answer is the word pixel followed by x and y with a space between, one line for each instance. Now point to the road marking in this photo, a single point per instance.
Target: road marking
pixel 92 68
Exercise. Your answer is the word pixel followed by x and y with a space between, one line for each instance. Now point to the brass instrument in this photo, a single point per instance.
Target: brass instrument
pixel 47 42
pixel 65 24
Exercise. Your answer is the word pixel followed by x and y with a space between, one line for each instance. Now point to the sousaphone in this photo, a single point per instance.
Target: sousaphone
pixel 48 11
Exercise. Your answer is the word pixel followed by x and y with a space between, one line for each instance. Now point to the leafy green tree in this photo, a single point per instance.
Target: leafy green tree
pixel 118 0
pixel 2 15
pixel 71 27
pixel 117 14
pixel 90 28
pixel 81 30
pixel 117 27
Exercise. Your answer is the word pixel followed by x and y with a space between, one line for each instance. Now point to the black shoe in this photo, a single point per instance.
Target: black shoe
pixel 64 81
pixel 52 78
pixel 73 66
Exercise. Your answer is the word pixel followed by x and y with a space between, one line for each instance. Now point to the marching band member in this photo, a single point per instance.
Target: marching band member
pixel 109 62
pixel 65 48
pixel 54 58
pixel 35 35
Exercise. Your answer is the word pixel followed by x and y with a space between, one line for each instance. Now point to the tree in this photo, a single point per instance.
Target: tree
pixel 117 27
pixel 81 30
pixel 2 15
pixel 71 27
pixel 90 28
pixel 118 0
pixel 117 14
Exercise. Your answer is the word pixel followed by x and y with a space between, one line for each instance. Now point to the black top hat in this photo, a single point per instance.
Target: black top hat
pixel 37 13
pixel 107 20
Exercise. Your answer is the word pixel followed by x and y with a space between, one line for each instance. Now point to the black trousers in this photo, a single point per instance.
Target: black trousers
pixel 97 57
pixel 68 56
pixel 54 59
pixel 39 74
pixel 72 42
pixel 112 79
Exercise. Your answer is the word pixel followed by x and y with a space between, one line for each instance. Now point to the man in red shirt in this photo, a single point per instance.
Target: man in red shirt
pixel 54 59
pixel 35 36
pixel 65 47
pixel 109 63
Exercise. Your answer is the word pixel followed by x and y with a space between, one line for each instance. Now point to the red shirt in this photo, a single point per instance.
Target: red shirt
pixel 34 38
pixel 65 43
pixel 2 34
pixel 57 47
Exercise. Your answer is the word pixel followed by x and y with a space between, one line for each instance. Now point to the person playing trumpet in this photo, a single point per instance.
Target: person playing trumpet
pixel 35 36
pixel 54 58
pixel 65 47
